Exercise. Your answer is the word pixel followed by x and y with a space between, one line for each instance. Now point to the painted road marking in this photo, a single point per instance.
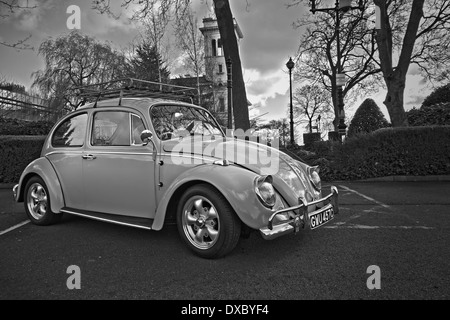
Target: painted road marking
pixel 14 227
pixel 343 224
pixel 366 197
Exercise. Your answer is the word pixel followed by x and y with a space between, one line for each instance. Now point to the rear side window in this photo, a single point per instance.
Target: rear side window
pixel 71 132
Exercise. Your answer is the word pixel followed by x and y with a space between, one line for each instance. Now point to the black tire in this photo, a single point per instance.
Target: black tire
pixel 213 232
pixel 37 203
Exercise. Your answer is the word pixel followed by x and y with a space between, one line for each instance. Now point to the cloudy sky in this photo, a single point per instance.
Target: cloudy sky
pixel 269 40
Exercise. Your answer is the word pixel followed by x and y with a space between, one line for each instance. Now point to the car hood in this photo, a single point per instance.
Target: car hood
pixel 257 157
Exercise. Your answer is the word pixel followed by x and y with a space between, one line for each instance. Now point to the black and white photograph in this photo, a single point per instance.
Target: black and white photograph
pixel 223 158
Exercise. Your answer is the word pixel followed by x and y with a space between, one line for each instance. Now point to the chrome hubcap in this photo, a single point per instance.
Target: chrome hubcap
pixel 200 222
pixel 37 201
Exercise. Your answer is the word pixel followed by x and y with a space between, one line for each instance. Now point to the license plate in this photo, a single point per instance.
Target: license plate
pixel 321 217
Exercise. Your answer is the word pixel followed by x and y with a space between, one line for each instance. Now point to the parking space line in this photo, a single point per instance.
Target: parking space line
pixel 345 224
pixel 14 227
pixel 365 197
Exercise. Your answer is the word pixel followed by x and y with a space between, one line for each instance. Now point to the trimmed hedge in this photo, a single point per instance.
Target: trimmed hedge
pixel 439 95
pixel 16 152
pixel 387 152
pixel 436 115
pixel 368 118
pixel 18 127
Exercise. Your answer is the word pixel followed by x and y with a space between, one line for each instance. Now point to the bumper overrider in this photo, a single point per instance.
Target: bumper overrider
pixel 15 188
pixel 302 217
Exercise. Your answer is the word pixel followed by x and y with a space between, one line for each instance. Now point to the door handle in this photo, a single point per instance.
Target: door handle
pixel 88 157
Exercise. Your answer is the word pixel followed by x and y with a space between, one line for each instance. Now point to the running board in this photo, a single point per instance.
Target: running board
pixel 141 223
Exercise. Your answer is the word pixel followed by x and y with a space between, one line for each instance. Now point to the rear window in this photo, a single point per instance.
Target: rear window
pixel 71 132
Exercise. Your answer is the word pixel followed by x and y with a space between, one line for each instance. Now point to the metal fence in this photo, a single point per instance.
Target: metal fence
pixel 24 107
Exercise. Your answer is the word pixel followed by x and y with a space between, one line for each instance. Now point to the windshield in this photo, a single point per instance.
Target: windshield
pixel 171 122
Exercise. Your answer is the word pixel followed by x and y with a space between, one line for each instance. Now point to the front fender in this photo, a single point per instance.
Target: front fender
pixel 44 169
pixel 235 183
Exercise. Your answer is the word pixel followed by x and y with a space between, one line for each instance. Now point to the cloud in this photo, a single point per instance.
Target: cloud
pixel 415 91
pixel 274 107
pixel 414 100
pixel 413 70
pixel 101 24
pixel 261 86
pixel 29 19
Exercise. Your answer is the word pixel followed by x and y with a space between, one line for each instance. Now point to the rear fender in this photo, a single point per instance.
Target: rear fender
pixel 44 169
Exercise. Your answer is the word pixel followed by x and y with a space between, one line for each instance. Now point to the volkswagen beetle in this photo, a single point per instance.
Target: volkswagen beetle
pixel 142 161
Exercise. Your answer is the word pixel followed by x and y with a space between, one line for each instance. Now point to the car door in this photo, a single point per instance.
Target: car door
pixel 67 145
pixel 118 170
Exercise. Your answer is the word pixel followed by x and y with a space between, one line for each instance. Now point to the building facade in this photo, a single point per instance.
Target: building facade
pixel 215 64
pixel 212 86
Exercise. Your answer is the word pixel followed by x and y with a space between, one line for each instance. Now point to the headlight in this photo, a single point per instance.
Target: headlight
pixel 265 191
pixel 314 177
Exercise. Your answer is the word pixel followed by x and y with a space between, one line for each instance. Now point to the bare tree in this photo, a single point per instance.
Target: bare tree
pixel 317 55
pixel 310 102
pixel 155 24
pixel 75 60
pixel 190 41
pixel 155 16
pixel 411 32
pixel 227 33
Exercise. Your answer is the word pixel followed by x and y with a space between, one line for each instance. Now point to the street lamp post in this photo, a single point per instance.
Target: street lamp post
pixel 344 6
pixel 290 65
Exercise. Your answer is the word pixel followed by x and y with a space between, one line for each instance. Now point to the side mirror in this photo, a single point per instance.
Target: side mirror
pixel 146 136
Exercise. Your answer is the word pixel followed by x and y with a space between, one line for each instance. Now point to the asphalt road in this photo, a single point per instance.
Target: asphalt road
pixel 400 227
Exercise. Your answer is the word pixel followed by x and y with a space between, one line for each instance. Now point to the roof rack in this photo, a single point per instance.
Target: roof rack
pixel 131 87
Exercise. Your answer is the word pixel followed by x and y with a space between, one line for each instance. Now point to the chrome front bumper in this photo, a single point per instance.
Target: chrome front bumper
pixel 301 219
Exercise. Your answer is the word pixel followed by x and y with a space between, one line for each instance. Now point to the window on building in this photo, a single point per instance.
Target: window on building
pixel 221 104
pixel 220 68
pixel 213 47
pixel 219 46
